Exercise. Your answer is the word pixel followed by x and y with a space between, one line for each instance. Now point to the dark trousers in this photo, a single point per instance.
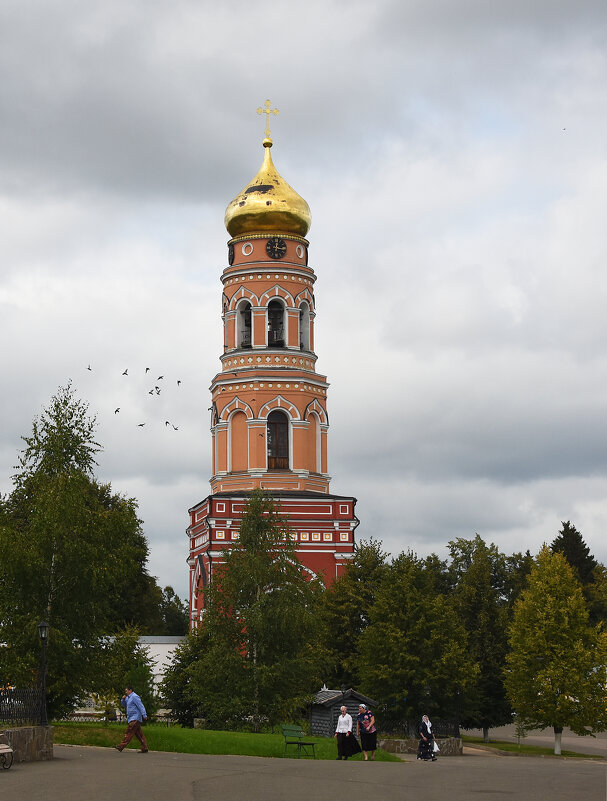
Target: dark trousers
pixel 134 730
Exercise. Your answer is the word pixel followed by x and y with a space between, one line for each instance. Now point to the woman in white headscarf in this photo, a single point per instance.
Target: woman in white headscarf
pixel 365 729
pixel 425 749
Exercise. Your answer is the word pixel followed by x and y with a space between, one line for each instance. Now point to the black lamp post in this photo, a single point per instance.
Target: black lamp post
pixel 43 633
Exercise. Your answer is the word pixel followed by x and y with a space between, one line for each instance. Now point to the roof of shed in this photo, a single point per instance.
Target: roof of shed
pixel 327 697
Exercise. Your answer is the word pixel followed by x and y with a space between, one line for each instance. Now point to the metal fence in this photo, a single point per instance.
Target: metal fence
pixel 20 706
pixel 408 729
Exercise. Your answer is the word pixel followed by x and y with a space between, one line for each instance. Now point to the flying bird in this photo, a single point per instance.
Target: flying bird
pixel 166 422
pixel 178 382
pixel 140 425
pixel 160 377
pixel 117 410
pixel 89 367
pixel 126 372
pixel 147 369
pixel 175 427
pixel 151 392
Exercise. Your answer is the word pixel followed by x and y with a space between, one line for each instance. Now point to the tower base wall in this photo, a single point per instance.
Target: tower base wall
pixel 321 526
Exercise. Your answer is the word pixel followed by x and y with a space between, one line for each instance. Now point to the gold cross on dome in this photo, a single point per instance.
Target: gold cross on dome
pixel 267 110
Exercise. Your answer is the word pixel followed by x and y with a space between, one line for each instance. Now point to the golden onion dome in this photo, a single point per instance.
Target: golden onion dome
pixel 268 203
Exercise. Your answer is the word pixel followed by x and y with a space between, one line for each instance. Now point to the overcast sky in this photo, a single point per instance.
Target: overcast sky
pixel 454 157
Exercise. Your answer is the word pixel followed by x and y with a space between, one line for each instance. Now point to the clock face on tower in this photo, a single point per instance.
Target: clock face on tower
pixel 276 247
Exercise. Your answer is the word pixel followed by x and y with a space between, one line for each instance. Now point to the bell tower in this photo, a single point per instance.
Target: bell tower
pixel 269 421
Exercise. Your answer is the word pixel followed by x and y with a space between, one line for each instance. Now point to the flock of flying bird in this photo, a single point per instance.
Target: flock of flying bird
pixel 156 390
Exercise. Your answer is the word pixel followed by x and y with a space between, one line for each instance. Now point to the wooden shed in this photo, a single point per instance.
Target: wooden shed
pixel 326 709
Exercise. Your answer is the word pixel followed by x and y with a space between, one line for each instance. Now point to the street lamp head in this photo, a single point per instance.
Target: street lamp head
pixel 43 631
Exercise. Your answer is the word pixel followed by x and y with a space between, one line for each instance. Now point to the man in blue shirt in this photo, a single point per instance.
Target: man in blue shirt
pixel 135 713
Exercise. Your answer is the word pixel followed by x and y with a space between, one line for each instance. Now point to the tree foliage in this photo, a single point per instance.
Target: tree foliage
pixel 557 674
pixel 480 601
pixel 413 655
pixel 175 615
pixel 257 653
pixel 587 570
pixel 346 612
pixel 570 543
pixel 68 549
pixel 125 661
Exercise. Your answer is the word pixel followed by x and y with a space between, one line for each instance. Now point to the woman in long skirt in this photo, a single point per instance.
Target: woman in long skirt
pixel 425 749
pixel 347 744
pixel 365 729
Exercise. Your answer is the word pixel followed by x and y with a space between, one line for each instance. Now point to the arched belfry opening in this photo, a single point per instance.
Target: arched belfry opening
pixel 278 440
pixel 304 327
pixel 276 324
pixel 244 325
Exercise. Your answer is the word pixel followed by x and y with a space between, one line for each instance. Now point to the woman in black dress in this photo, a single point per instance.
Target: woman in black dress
pixel 425 749
pixel 347 744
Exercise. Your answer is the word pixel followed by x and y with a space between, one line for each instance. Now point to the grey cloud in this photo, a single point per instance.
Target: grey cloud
pixel 458 239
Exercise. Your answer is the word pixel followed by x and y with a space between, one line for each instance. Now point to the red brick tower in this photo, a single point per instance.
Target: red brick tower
pixel 269 418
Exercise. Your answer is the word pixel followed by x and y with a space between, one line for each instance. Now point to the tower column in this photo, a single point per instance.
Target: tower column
pixel 269 415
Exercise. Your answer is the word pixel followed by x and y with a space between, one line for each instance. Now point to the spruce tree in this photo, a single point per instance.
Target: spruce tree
pixel 571 544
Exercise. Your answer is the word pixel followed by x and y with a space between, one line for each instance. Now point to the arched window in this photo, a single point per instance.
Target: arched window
pixel 225 326
pixel 243 321
pixel 304 327
pixel 276 324
pixel 278 441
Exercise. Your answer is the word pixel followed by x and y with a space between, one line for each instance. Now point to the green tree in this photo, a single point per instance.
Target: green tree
pixel 174 613
pixel 260 632
pixel 346 612
pixel 177 691
pixel 588 571
pixel 595 593
pixel 556 669
pixel 125 661
pixel 413 655
pixel 67 545
pixel 483 611
pixel 518 569
pixel 571 544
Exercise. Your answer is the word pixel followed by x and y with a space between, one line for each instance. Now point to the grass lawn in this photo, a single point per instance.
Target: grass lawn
pixel 533 750
pixel 196 741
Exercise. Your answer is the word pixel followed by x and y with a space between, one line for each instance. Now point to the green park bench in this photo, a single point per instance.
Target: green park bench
pixel 294 735
pixel 6 756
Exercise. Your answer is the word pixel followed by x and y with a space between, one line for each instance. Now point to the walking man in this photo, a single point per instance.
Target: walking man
pixel 135 713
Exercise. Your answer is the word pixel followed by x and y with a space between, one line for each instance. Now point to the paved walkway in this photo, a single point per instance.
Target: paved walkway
pixel 102 774
pixel 596 745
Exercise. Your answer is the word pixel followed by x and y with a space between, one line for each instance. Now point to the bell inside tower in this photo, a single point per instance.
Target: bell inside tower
pixel 278 441
pixel 244 325
pixel 276 325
